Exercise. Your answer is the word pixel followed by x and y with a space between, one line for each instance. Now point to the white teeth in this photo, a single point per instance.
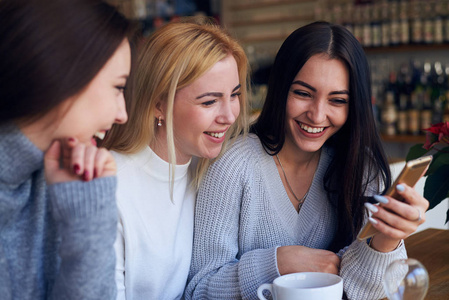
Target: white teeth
pixel 100 134
pixel 216 134
pixel 311 129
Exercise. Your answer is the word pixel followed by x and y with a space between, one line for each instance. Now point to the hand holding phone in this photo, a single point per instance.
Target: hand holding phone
pixel 410 174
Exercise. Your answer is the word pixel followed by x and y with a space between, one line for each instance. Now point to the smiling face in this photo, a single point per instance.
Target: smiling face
pixel 317 103
pixel 204 110
pixel 101 103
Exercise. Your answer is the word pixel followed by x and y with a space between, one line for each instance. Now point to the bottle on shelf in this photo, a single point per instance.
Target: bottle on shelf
pixel 389 114
pixel 428 32
pixel 417 22
pixel 438 95
pixel 347 18
pixel 404 24
pixel 445 13
pixel 395 31
pixel 402 115
pixel 366 14
pixel 413 116
pixel 403 101
pixel 385 26
pixel 376 27
pixel 422 93
pixel 358 24
pixel 438 22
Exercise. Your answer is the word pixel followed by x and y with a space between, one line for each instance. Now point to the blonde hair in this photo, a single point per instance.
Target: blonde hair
pixel 173 57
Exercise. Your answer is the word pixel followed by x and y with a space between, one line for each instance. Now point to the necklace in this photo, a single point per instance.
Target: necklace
pixel 301 201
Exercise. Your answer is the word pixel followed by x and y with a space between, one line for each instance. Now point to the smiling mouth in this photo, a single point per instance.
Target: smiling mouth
pixel 100 134
pixel 215 134
pixel 310 129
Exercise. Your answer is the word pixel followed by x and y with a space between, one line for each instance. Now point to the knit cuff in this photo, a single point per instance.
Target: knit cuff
pixel 77 199
pixel 255 268
pixel 363 268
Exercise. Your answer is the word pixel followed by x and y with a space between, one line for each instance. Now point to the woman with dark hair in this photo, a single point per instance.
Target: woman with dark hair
pixel 291 196
pixel 63 68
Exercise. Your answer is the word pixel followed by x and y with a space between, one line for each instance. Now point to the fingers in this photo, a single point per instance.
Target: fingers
pixel 411 196
pixel 104 164
pixel 52 157
pixel 398 219
pixel 79 161
pixel 92 162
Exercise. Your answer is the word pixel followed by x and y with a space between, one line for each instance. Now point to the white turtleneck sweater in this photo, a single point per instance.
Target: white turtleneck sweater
pixel 154 239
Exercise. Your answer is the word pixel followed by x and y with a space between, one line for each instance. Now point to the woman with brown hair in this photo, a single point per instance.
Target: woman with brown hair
pixel 63 68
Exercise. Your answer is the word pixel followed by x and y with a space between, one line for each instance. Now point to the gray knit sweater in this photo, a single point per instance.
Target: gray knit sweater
pixel 56 242
pixel 243 214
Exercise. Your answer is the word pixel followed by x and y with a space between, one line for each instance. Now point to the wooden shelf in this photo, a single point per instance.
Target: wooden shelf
pixel 406 48
pixel 412 139
pixel 273 20
pixel 260 4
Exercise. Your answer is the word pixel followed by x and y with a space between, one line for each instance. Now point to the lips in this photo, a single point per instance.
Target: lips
pixel 217 135
pixel 311 129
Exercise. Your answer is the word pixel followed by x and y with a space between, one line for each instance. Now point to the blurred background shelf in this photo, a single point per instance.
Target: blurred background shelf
pixel 414 139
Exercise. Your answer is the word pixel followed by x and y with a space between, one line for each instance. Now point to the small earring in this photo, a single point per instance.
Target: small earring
pixel 159 123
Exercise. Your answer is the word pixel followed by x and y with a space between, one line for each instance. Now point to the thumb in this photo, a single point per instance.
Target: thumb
pixel 52 157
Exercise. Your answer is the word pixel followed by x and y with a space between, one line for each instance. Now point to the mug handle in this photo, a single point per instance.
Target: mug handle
pixel 263 287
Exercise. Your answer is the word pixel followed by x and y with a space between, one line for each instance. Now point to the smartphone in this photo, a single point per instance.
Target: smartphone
pixel 410 174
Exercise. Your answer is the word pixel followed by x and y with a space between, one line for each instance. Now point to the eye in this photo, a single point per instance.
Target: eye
pixel 339 100
pixel 209 103
pixel 237 94
pixel 121 88
pixel 302 93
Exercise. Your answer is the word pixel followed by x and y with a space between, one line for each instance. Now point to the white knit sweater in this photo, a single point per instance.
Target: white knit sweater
pixel 154 241
pixel 243 214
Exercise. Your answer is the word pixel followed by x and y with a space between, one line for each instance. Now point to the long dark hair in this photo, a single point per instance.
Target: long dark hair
pixel 358 154
pixel 51 49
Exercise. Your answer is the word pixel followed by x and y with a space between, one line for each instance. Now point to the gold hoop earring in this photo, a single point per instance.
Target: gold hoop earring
pixel 159 123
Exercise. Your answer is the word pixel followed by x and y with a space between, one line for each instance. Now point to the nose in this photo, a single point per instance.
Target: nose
pixel 228 112
pixel 121 116
pixel 317 111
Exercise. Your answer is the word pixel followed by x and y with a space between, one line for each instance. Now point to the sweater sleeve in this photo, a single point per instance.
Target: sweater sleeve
pixel 363 268
pixel 86 214
pixel 218 268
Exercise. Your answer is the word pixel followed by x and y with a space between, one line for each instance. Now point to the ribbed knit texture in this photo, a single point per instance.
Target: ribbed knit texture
pixel 243 214
pixel 56 242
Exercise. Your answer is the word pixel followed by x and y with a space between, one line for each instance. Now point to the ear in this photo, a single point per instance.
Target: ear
pixel 161 108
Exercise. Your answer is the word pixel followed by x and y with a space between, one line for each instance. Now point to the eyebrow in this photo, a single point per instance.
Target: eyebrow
pixel 216 94
pixel 346 92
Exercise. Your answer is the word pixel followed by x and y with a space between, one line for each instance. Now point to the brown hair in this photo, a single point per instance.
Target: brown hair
pixel 51 49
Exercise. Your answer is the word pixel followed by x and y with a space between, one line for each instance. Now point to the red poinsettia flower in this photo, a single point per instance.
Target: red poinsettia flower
pixel 437 133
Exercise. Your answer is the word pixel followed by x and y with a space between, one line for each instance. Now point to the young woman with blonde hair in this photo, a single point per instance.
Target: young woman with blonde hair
pixel 187 100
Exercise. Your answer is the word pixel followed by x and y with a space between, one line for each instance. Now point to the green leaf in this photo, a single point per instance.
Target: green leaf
pixel 415 152
pixel 439 161
pixel 436 188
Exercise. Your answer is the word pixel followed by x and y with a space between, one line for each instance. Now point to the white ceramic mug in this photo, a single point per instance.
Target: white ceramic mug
pixel 307 285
